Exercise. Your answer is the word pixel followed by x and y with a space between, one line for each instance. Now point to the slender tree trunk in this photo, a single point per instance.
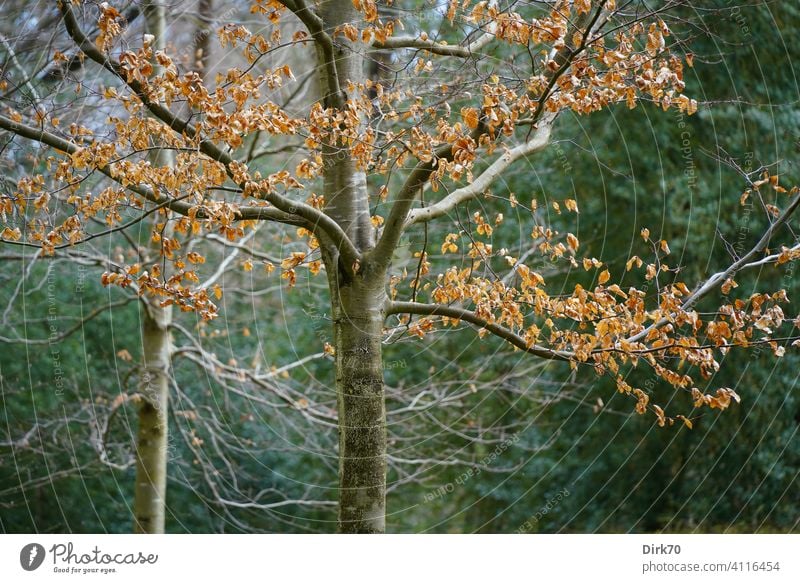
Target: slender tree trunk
pixel 150 492
pixel 357 302
pixel 151 441
pixel 358 323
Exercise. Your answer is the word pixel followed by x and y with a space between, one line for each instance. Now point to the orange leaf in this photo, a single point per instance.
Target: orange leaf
pixel 470 116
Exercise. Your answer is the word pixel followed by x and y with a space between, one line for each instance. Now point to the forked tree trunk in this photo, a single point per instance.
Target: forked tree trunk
pixel 150 493
pixel 152 437
pixel 358 322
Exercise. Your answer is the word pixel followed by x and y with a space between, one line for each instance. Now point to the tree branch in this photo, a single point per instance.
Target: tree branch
pixel 437 48
pixel 26 78
pixel 745 262
pixel 395 223
pixel 462 314
pixel 539 141
pixel 183 208
pixel 72 329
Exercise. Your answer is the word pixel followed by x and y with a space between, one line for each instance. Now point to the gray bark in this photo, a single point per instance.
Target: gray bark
pixel 152 437
pixel 358 315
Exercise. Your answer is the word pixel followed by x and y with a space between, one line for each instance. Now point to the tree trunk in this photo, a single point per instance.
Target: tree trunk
pixel 203 36
pixel 358 323
pixel 151 441
pixel 357 301
pixel 152 438
pixel 345 188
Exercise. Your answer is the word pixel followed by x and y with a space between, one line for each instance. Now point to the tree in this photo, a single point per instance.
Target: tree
pixel 444 118
pixel 152 439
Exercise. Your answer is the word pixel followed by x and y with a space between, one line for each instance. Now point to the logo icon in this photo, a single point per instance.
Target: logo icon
pixel 31 556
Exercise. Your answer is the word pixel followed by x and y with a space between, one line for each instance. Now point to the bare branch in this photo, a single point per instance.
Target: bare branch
pixel 26 78
pixel 437 48
pixel 74 328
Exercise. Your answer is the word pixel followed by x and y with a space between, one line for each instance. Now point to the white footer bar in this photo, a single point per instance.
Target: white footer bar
pixel 400 558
